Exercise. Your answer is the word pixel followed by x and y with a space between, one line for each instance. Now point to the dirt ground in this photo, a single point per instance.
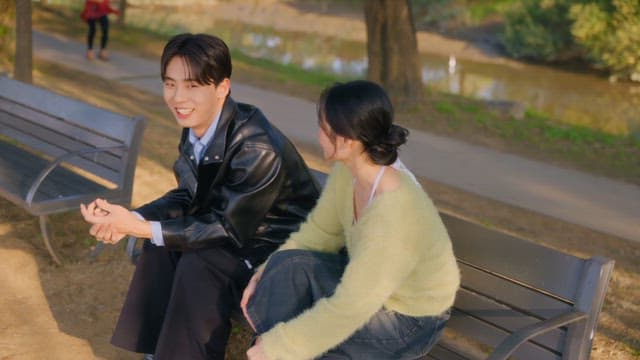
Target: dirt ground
pixel 68 312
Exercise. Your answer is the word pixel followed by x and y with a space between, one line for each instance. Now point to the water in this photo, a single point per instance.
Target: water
pixel 582 99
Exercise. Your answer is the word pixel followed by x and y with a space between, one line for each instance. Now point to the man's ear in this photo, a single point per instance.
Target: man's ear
pixel 223 88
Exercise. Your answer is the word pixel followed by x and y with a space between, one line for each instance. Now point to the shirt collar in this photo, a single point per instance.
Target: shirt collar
pixel 208 135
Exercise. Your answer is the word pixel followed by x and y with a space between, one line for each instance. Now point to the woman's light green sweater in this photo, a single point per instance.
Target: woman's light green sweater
pixel 400 258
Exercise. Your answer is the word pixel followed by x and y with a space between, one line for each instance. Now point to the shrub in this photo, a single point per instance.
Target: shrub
pixel 610 33
pixel 539 30
pixel 604 32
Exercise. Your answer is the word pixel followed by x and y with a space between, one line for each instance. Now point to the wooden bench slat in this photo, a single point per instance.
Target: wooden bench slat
pixel 59 142
pixel 18 169
pixel 75 111
pixel 440 352
pixel 504 317
pixel 530 263
pixel 513 294
pixel 484 333
pixel 85 163
pixel 36 119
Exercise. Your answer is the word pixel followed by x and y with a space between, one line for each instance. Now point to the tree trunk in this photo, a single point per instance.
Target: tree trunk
pixel 123 9
pixel 24 51
pixel 393 49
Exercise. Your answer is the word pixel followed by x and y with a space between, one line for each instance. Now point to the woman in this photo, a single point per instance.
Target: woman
pixel 371 273
pixel 97 11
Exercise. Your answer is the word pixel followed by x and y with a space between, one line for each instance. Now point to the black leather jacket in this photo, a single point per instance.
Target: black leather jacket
pixel 249 192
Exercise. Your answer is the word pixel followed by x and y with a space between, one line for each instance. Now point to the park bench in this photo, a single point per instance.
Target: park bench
pixel 518 299
pixel 57 152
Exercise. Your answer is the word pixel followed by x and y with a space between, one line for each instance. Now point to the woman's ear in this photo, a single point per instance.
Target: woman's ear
pixel 345 147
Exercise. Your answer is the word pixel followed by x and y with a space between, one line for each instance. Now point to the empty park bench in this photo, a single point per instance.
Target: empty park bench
pixel 517 299
pixel 57 152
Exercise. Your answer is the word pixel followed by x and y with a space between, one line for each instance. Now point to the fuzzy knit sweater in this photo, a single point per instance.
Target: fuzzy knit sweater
pixel 400 258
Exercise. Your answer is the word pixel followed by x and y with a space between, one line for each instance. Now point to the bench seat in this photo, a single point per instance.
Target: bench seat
pixel 57 152
pixel 20 167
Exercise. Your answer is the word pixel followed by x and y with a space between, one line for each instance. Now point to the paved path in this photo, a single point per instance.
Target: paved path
pixel 596 202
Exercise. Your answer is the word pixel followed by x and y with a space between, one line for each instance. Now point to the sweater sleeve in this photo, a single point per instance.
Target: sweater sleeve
pixel 378 264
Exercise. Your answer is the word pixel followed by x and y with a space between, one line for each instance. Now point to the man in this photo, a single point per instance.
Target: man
pixel 242 189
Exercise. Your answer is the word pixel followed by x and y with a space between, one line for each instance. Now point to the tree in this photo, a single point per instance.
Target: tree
pixel 539 30
pixel 392 49
pixel 604 32
pixel 610 33
pixel 123 9
pixel 24 51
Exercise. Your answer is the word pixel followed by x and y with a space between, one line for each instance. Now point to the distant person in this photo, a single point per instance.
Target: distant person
pixel 97 11
pixel 242 189
pixel 371 273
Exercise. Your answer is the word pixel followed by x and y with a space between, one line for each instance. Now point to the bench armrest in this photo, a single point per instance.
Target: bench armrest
pixel 511 343
pixel 59 160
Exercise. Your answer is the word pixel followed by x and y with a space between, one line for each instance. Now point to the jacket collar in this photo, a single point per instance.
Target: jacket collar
pixel 214 153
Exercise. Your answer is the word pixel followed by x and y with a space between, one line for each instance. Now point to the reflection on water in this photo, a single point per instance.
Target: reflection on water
pixel 576 98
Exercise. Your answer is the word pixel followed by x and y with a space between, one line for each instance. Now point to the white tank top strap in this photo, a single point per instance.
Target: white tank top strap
pixel 376 182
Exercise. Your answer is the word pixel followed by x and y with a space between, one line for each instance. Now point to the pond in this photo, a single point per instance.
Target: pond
pixel 577 98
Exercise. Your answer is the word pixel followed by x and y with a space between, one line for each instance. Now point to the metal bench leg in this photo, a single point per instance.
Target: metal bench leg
pixel 96 251
pixel 132 252
pixel 45 235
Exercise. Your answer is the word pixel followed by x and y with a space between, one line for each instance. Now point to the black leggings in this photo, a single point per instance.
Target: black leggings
pixel 104 27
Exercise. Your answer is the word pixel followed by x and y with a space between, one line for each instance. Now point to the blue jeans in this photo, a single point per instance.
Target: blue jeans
pixel 295 279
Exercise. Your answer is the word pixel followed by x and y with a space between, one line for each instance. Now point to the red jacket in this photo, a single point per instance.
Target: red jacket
pixel 95 9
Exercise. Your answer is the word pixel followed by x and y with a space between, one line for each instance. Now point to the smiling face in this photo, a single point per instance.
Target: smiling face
pixel 193 105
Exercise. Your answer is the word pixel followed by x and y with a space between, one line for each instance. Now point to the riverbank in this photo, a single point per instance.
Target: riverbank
pixel 498 125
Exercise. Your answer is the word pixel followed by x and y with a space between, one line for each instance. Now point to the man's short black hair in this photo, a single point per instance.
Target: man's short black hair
pixel 206 56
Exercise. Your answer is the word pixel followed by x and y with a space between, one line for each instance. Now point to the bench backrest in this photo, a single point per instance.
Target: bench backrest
pixel 509 283
pixel 55 125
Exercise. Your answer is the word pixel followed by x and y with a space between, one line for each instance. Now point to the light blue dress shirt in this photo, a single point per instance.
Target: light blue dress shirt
pixel 199 144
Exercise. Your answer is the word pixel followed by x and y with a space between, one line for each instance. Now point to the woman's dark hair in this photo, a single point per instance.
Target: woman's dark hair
pixel 207 57
pixel 361 110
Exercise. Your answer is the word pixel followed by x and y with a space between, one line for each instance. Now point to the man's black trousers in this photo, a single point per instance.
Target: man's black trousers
pixel 179 304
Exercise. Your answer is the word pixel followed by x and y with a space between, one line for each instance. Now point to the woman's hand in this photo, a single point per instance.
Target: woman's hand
pixel 256 352
pixel 248 293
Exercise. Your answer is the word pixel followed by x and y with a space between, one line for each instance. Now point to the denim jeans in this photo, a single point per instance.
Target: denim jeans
pixel 295 279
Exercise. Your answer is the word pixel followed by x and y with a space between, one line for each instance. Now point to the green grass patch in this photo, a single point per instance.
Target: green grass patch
pixel 445 107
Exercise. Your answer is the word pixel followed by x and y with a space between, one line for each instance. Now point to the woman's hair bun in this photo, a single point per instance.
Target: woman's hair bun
pixel 384 149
